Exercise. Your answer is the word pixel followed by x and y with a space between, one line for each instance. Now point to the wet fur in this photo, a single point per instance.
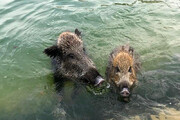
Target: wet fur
pixel 70 60
pixel 123 57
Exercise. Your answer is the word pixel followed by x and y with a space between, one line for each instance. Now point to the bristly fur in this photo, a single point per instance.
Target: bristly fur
pixel 130 50
pixel 70 60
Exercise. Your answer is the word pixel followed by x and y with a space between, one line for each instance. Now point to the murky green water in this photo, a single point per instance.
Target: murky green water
pixel 26 83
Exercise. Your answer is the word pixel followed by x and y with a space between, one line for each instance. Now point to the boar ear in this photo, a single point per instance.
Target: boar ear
pixel 77 32
pixel 53 51
pixel 131 51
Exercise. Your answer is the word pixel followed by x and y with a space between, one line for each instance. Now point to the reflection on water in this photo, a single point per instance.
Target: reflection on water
pixel 26 80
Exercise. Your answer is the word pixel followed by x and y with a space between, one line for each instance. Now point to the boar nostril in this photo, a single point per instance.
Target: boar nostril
pixel 125 92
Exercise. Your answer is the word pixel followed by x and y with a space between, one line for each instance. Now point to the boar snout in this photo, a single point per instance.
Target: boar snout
pixel 124 89
pixel 98 80
pixel 93 76
pixel 125 92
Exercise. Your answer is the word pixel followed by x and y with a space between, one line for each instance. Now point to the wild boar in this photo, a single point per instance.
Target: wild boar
pixel 71 61
pixel 122 69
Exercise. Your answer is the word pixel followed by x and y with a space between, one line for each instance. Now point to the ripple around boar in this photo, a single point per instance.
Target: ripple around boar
pixel 121 70
pixel 71 61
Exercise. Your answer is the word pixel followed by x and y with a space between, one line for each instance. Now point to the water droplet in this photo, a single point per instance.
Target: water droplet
pixel 108 85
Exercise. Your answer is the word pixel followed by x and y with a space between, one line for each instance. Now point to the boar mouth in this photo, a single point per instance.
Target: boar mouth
pixel 92 76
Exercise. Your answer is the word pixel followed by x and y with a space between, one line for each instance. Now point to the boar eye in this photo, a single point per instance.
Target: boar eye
pixel 117 69
pixel 130 69
pixel 72 56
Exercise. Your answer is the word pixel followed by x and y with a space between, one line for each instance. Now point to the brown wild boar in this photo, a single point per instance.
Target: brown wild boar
pixel 71 61
pixel 121 70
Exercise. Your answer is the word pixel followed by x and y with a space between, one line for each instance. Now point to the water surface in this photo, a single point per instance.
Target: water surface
pixel 26 80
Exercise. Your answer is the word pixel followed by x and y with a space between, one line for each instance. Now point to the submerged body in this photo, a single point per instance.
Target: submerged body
pixel 121 70
pixel 71 61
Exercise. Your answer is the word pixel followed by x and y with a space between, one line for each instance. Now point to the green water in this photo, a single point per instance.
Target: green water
pixel 27 27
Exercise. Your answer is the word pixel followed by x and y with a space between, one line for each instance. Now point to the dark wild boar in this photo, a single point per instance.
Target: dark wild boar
pixel 121 70
pixel 71 61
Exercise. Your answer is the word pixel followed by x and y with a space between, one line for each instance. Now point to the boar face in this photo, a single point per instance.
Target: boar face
pixel 71 59
pixel 123 73
pixel 121 70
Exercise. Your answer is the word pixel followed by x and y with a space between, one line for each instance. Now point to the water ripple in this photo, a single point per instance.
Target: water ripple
pixel 28 27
